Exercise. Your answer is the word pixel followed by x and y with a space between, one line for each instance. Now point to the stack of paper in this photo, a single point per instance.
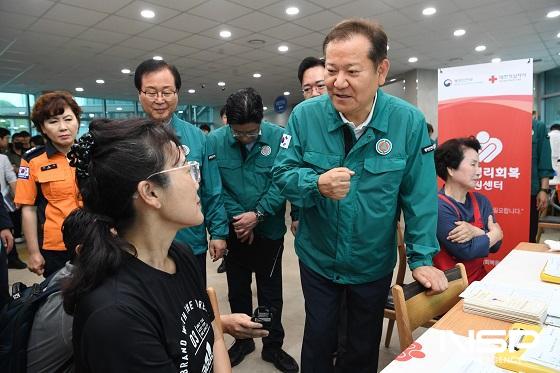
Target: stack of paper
pixel 499 303
pixel 551 271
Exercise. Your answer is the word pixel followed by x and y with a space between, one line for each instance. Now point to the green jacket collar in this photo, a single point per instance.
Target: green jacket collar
pixel 376 122
pixel 173 124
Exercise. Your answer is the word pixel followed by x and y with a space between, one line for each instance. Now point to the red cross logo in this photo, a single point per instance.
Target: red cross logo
pixel 492 79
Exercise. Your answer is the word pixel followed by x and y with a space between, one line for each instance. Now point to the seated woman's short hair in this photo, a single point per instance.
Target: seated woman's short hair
pixel 450 154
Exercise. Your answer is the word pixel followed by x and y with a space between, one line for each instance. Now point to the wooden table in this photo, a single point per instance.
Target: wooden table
pixel 431 354
pixel 461 322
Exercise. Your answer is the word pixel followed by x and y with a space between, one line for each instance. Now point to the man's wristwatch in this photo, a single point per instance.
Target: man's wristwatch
pixel 259 214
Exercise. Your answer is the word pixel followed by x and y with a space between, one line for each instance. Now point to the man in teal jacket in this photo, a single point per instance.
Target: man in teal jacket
pixel 541 172
pixel 353 160
pixel 158 84
pixel 245 152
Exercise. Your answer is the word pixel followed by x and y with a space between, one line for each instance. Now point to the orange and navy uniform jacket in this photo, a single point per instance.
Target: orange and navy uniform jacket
pixel 46 180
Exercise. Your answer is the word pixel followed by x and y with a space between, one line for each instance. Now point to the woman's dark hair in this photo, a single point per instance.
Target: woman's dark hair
pixel 110 160
pixel 244 106
pixel 50 105
pixel 450 154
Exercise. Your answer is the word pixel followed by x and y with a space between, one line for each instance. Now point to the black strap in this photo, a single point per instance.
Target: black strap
pixel 349 139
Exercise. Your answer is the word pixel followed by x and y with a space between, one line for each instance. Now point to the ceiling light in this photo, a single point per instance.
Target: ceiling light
pixel 21 113
pixel 100 81
pixel 283 48
pixel 553 14
pixel 157 58
pixel 459 32
pixel 257 75
pixel 387 46
pixel 429 11
pixel 225 34
pixel 119 108
pixel 496 60
pixel 91 115
pixel 413 59
pixel 286 93
pixel 125 71
pixel 180 111
pixel 480 48
pixel 79 89
pixel 221 84
pixel 147 13
pixel 191 90
pixel 265 108
pixel 292 11
pixel 558 35
pixel 392 80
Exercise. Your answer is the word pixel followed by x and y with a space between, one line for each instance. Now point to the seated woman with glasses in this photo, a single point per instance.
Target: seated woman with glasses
pixel 137 297
pixel 466 230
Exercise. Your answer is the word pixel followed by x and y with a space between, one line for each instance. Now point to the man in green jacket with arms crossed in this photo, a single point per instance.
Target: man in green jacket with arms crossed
pixel 352 160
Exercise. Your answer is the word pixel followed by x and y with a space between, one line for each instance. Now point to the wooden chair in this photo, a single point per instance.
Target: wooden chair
pixel 389 312
pixel 547 221
pixel 413 308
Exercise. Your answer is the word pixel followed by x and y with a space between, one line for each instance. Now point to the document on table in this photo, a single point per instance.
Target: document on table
pixel 507 303
pixel 546 350
pixel 552 267
pixel 552 245
pixel 550 296
pixel 552 321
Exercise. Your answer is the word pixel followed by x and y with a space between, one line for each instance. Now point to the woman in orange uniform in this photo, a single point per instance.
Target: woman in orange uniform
pixel 46 185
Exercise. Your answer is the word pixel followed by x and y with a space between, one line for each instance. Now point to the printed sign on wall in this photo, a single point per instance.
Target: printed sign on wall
pixel 493 102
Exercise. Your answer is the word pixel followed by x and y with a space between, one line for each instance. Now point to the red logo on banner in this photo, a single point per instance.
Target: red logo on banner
pixel 412 351
pixel 492 79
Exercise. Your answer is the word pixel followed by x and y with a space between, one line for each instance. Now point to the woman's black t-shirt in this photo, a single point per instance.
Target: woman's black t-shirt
pixel 145 320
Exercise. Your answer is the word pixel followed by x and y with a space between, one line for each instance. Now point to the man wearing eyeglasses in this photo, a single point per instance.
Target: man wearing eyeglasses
pixel 311 75
pixel 245 152
pixel 158 84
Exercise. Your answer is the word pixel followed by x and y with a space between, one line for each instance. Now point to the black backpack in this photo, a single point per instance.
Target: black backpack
pixel 16 320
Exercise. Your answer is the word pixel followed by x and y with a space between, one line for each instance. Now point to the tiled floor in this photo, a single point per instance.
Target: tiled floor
pixel 293 314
